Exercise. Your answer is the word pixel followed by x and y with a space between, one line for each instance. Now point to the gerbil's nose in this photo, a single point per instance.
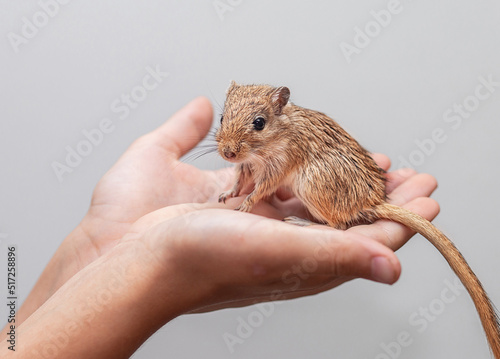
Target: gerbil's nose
pixel 229 154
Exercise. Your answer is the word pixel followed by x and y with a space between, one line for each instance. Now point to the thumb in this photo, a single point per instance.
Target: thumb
pixel 186 128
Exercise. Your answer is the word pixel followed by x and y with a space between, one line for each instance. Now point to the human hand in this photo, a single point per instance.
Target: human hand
pixel 226 258
pixel 202 257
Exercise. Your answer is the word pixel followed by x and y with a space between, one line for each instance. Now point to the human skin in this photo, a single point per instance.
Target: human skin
pixel 155 232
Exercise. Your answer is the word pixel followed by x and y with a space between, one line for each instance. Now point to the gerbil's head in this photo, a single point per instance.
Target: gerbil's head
pixel 252 121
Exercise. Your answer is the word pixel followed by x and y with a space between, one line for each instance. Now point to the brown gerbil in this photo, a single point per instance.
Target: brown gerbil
pixel 276 143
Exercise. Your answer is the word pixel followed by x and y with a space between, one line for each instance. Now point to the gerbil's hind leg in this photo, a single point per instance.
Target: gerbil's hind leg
pixel 297 221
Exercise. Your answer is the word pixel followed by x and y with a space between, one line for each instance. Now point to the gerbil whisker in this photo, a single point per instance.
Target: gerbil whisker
pixel 213 97
pixel 212 132
pixel 207 145
pixel 219 107
pixel 195 154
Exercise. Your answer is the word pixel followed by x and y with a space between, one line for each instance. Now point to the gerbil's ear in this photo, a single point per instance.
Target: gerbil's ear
pixel 231 86
pixel 280 98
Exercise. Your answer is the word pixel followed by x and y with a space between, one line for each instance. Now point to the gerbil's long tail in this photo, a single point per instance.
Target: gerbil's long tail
pixel 457 262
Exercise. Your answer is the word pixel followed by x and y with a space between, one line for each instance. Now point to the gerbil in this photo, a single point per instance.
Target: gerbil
pixel 276 143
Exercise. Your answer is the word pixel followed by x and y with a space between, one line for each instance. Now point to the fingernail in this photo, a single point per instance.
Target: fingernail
pixel 382 270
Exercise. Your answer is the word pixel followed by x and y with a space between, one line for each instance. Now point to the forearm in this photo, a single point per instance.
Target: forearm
pixel 104 311
pixel 65 263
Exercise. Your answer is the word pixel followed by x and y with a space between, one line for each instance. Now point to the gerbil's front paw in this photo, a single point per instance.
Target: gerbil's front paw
pixel 244 207
pixel 225 195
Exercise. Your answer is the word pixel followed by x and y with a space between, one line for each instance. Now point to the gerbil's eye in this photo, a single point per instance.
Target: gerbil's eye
pixel 259 123
pixel 221 118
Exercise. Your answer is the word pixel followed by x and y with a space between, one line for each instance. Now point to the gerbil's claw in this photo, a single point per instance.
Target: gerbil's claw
pixel 225 195
pixel 244 207
pixel 298 221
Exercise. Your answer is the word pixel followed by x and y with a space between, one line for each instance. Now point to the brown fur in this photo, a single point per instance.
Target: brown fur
pixel 336 179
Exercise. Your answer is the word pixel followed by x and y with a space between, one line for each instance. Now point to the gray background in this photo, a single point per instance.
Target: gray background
pixel 394 92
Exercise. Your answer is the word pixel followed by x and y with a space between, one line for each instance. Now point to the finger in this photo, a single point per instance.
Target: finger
pixel 186 128
pixel 420 185
pixel 363 257
pixel 395 235
pixel 314 256
pixel 382 161
pixel 397 177
pixel 263 251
